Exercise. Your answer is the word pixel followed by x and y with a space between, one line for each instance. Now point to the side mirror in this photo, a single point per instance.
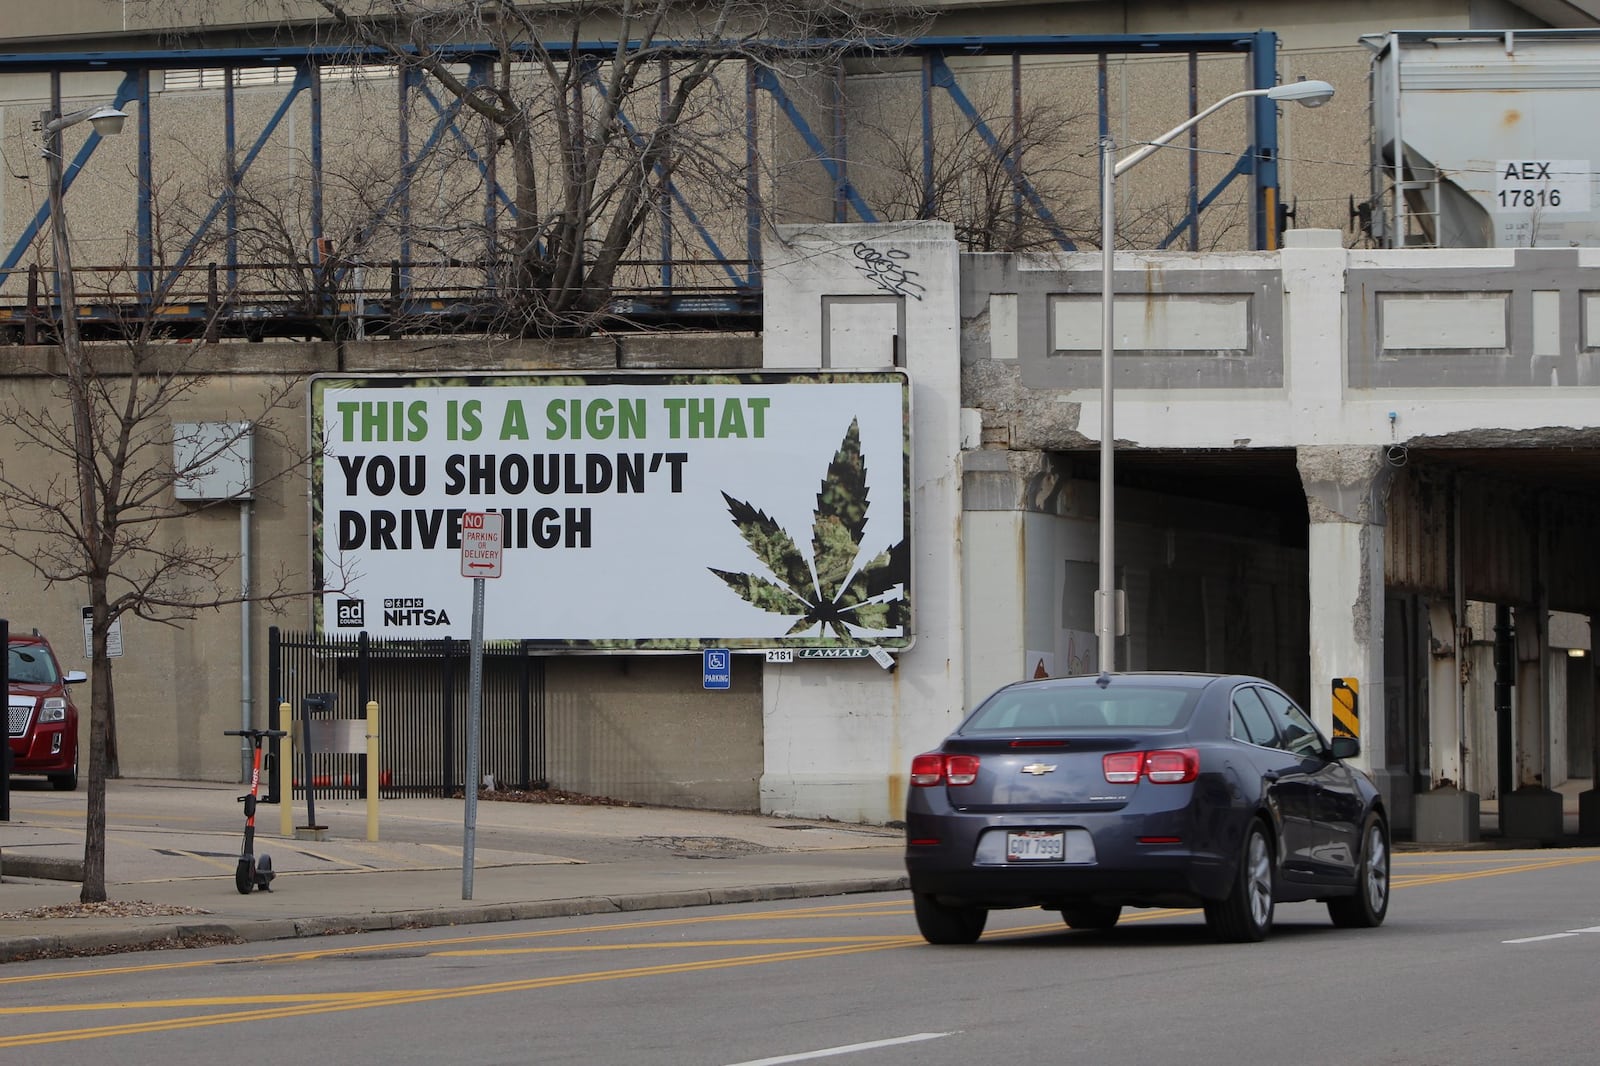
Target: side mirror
pixel 1346 747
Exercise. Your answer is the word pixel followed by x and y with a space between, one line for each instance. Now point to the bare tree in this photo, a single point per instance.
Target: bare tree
pixel 87 495
pixel 587 144
pixel 1008 181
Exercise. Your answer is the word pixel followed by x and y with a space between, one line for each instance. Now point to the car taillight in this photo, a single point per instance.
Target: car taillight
pixel 1122 767
pixel 937 768
pixel 1175 767
pixel 1168 766
pixel 927 770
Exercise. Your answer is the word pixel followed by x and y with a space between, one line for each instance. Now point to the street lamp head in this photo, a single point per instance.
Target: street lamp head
pixel 1309 93
pixel 108 121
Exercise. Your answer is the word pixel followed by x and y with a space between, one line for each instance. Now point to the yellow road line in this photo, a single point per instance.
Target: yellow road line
pixel 338 1002
pixel 482 938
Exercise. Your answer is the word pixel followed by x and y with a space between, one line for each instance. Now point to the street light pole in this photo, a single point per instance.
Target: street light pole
pixel 106 120
pixel 1108 610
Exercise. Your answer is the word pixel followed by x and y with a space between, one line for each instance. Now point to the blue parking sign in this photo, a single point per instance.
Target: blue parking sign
pixel 719 668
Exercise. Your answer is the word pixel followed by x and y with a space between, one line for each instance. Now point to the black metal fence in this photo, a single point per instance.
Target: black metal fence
pixel 422 691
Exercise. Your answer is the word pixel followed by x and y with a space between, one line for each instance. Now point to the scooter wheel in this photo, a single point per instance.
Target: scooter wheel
pixel 244 877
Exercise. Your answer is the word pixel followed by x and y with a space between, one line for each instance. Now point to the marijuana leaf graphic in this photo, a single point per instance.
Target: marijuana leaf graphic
pixel 829 590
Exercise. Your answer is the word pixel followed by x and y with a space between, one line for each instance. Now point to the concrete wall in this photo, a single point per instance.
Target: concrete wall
pixel 636 728
pixel 840 736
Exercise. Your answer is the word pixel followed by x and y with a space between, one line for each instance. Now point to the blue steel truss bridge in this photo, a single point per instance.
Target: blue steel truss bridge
pixel 200 282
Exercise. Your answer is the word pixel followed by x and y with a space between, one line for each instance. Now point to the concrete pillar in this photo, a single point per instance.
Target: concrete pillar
pixel 1589 800
pixel 1346 492
pixel 1448 812
pixel 1532 697
pixel 838 736
pixel 1029 544
pixel 1531 810
pixel 1444 698
pixel 993 544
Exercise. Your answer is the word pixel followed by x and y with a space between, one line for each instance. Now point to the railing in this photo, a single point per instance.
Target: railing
pixel 344 300
pixel 421 688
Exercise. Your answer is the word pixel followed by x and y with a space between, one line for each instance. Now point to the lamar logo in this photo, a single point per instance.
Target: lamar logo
pixel 352 613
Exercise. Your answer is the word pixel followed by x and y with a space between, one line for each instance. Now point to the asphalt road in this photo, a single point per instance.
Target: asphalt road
pixel 1488 957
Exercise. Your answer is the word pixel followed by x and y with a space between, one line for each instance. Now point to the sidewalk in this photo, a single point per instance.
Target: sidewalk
pixel 171 849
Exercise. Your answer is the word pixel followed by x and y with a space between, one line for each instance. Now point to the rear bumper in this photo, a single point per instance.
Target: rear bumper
pixel 1191 863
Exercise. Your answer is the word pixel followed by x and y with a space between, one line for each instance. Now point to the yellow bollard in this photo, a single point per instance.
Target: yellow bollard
pixel 286 774
pixel 374 770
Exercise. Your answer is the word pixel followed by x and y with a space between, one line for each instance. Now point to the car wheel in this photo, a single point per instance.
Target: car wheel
pixel 942 924
pixel 1367 906
pixel 1245 916
pixel 1091 916
pixel 67 782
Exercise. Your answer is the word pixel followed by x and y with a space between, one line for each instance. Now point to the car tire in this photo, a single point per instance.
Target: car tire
pixel 67 782
pixel 941 923
pixel 1091 916
pixel 1245 916
pixel 1367 906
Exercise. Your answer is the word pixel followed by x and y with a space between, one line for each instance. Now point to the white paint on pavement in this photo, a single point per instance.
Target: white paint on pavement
pixel 846 1049
pixel 1536 939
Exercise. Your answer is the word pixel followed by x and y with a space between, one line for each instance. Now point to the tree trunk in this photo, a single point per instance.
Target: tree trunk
pixel 94 835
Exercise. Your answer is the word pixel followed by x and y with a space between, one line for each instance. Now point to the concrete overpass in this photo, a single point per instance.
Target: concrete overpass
pixel 1335 467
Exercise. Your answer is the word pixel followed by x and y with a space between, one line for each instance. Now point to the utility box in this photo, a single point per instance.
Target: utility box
pixel 1484 139
pixel 213 461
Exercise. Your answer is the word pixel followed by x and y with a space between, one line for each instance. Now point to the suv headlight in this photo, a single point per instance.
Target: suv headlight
pixel 54 710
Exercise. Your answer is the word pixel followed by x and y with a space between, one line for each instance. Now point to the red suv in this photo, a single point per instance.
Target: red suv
pixel 43 720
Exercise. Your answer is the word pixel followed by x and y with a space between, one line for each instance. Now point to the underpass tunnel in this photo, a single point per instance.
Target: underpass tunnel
pixel 1491 588
pixel 1467 726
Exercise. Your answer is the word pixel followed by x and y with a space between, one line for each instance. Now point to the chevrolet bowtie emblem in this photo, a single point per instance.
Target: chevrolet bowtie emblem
pixel 1037 768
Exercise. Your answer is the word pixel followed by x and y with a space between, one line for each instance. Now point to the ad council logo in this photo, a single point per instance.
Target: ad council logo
pixel 352 613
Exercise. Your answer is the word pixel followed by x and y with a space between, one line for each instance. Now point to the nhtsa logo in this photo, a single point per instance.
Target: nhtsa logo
pixel 352 613
pixel 412 611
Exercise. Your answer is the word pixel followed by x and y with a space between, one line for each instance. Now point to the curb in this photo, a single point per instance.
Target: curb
pixel 139 938
pixel 40 867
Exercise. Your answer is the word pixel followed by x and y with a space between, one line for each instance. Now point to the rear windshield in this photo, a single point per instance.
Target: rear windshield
pixel 30 664
pixel 1055 709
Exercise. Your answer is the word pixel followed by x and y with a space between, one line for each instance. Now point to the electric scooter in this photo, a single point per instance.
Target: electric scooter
pixel 253 871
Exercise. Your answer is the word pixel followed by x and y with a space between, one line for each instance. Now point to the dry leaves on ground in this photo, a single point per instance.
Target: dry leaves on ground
pixel 111 908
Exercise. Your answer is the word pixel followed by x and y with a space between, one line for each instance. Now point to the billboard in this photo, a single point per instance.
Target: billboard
pixel 642 511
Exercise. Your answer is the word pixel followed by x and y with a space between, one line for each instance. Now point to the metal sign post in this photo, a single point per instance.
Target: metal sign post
pixel 481 549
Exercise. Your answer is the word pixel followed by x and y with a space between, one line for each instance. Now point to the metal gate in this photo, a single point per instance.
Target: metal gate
pixel 421 688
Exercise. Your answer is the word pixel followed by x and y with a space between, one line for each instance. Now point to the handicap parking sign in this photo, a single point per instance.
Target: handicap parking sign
pixel 718 668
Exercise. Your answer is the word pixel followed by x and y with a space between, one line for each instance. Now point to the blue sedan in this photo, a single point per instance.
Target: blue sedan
pixel 1086 795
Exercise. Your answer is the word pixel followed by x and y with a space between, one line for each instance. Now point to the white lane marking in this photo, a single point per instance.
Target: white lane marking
pixel 845 1049
pixel 1535 939
pixel 1591 929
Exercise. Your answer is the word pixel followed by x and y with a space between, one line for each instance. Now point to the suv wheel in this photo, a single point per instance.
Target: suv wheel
pixel 67 782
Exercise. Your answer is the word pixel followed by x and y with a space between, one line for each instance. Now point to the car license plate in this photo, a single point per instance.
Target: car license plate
pixel 1036 845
